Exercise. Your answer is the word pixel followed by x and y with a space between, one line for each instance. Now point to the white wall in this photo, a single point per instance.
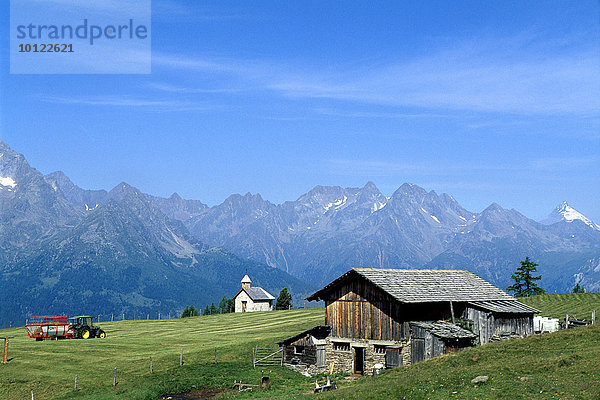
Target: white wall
pixel 250 305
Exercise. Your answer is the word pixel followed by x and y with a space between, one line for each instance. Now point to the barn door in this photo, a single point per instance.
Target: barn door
pixel 321 355
pixel 417 350
pixel 392 357
pixel 359 360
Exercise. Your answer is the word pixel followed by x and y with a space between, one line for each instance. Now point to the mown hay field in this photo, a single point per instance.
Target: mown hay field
pixel 561 365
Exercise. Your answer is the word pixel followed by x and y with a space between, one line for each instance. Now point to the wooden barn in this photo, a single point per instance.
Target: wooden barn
pixel 391 317
pixel 250 299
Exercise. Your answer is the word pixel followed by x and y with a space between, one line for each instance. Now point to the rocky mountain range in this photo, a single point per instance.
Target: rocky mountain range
pixel 68 250
pixel 140 250
pixel 329 229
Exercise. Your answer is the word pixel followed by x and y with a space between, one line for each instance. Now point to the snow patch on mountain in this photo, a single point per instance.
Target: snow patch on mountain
pixel 336 204
pixel 564 212
pixel 8 181
pixel 378 206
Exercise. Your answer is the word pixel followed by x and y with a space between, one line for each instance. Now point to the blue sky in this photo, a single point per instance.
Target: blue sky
pixel 489 101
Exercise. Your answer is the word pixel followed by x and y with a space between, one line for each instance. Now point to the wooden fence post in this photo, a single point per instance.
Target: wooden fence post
pixel 32 395
pixel 5 358
pixel 593 317
pixel 115 378
pixel 159 315
pixel 215 355
pixel 150 364
pixel 75 382
pixel 112 317
pixel 253 357
pixel 181 357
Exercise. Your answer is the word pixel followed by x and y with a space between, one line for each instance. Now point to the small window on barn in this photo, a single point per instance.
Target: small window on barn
pixel 380 349
pixel 343 346
pixel 298 349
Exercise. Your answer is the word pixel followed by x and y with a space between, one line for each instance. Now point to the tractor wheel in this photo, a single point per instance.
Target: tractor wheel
pixel 100 334
pixel 85 333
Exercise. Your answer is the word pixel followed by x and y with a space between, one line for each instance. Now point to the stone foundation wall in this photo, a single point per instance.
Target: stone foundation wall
pixel 343 360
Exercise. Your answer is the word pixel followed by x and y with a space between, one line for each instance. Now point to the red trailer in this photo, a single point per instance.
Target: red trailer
pixel 43 327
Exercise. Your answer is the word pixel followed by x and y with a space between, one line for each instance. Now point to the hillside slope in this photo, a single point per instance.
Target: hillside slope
pixel 559 365
pixel 557 305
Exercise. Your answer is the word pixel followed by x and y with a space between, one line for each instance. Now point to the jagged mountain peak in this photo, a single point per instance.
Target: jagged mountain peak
pixel 564 212
pixel 409 190
pixel 121 190
pixel 494 207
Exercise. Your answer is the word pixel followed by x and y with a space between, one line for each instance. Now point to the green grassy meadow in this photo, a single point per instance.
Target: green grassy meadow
pixel 49 367
pixel 557 305
pixel 551 366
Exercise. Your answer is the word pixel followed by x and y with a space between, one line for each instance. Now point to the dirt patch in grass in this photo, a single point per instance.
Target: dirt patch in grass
pixel 203 394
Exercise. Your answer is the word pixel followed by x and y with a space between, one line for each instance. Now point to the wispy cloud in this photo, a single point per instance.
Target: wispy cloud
pixel 125 101
pixel 373 114
pixel 164 87
pixel 477 76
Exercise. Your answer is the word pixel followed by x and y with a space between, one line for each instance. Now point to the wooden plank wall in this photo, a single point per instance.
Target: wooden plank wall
pixel 359 309
pixel 487 324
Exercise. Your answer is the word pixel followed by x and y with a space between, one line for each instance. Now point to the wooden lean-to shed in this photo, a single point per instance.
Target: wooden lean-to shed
pixel 381 316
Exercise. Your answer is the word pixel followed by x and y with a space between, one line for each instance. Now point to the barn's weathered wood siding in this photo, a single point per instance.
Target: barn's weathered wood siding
pixel 359 309
pixel 488 325
pixel 309 356
pixel 424 345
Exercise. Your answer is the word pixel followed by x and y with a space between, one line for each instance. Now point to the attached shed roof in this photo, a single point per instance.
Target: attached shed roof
pixel 423 285
pixel 504 306
pixel 445 330
pixel 320 332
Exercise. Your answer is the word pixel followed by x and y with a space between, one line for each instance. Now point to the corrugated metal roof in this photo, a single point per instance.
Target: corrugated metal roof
pixel 504 306
pixel 258 293
pixel 445 330
pixel 424 285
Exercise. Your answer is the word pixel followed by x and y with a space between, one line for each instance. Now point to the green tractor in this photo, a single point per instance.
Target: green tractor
pixel 84 329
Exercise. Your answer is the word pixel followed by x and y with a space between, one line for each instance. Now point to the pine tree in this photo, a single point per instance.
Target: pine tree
pixel 189 311
pixel 284 300
pixel 226 305
pixel 578 289
pixel 525 285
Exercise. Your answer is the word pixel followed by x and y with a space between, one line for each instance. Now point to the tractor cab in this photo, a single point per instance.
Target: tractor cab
pixel 82 320
pixel 83 328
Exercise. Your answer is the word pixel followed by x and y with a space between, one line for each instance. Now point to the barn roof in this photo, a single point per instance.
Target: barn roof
pixel 319 331
pixel 501 306
pixel 258 293
pixel 445 330
pixel 423 285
